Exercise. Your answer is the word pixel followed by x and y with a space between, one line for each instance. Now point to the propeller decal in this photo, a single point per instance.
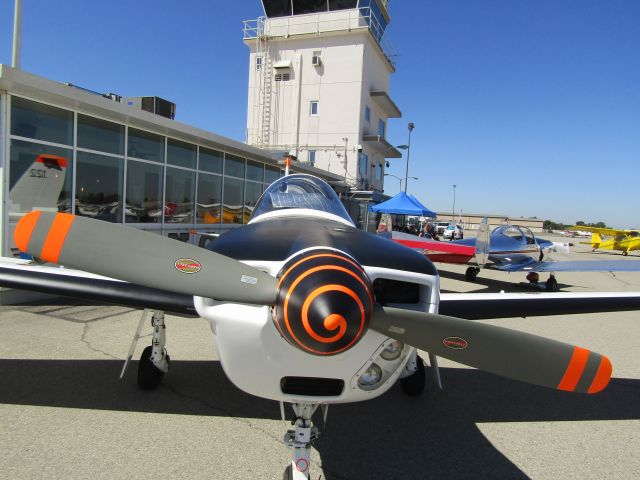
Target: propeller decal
pixel 324 302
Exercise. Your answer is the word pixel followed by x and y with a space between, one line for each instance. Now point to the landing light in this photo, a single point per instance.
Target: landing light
pixel 393 350
pixel 370 377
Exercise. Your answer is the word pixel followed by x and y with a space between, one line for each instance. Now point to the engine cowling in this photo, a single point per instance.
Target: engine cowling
pixel 324 302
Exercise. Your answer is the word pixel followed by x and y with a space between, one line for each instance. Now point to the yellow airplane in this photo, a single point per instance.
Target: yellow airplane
pixel 623 240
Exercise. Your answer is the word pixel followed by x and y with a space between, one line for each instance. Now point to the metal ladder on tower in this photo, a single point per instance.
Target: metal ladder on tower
pixel 265 93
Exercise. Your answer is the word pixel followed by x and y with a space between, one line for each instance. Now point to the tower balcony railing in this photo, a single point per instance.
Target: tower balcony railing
pixel 324 22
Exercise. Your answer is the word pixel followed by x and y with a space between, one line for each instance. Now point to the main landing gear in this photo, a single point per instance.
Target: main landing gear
pixel 154 361
pixel 551 285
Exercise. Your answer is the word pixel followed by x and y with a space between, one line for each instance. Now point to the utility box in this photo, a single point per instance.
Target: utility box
pixel 156 105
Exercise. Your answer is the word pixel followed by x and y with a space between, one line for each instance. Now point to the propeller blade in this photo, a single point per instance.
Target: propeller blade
pixel 141 257
pixel 502 351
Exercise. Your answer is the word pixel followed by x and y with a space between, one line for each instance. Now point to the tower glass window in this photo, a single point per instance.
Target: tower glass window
pixel 367 113
pixel 381 127
pixel 313 107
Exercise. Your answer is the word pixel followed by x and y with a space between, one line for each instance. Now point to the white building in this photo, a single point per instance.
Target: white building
pixel 319 86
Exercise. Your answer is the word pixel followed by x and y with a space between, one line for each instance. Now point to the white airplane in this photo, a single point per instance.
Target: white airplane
pixel 306 309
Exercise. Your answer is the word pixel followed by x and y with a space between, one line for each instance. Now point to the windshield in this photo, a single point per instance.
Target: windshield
pixel 301 192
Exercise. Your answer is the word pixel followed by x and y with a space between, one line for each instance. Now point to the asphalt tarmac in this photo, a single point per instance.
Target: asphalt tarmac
pixel 64 413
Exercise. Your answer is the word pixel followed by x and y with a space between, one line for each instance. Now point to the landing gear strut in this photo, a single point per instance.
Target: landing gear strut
pixel 300 439
pixel 154 361
pixel 472 273
pixel 551 285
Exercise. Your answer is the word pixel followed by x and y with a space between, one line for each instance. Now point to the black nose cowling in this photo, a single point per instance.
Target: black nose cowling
pixel 324 302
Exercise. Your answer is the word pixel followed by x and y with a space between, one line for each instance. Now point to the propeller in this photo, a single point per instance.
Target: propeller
pixel 502 351
pixel 159 262
pixel 140 257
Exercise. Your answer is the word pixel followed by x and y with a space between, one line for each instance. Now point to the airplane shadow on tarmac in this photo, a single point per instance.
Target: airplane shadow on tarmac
pixel 393 436
pixel 516 282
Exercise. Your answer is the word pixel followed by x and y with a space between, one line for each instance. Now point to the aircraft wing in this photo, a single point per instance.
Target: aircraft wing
pixel 74 283
pixel 600 231
pixel 524 263
pixel 471 306
pixel 446 252
pixel 588 266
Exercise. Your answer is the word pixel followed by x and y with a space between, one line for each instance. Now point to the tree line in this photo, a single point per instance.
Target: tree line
pixel 551 225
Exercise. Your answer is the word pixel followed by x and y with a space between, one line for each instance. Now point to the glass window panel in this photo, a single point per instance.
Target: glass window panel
pixel 234 166
pixel 343 4
pixel 179 196
pixel 96 134
pixel 251 195
pixel 210 160
pixel 182 154
pixel 232 207
pixel 255 171
pixel 99 186
pixel 37 182
pixel 309 6
pixel 271 174
pixel 144 192
pixel 278 8
pixel 209 198
pixel 41 122
pixel 145 145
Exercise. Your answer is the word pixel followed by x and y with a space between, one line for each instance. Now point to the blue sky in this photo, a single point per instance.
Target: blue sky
pixel 531 107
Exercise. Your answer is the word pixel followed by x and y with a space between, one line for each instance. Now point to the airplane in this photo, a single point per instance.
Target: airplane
pixel 304 307
pixel 623 240
pixel 39 186
pixel 509 248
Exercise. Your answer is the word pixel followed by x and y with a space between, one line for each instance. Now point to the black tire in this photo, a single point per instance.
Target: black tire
pixel 414 384
pixel 471 274
pixel 288 473
pixel 551 285
pixel 149 377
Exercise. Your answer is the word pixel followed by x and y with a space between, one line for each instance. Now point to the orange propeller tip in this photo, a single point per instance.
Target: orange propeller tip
pixel 602 377
pixel 24 229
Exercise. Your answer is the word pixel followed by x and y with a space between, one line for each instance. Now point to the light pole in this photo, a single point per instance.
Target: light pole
pixel 396 177
pixel 453 211
pixel 400 179
pixel 406 174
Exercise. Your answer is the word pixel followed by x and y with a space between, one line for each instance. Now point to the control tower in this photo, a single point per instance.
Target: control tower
pixel 319 74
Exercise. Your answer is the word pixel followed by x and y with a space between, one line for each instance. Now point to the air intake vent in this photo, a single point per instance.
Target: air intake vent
pixel 312 386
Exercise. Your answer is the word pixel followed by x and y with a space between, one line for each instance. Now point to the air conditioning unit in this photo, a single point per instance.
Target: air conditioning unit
pixel 316 60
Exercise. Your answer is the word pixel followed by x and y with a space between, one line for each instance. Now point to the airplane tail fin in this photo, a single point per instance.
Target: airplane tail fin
pixel 596 240
pixel 39 186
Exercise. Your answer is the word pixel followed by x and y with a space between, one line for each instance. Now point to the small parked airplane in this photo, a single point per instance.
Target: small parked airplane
pixel 304 307
pixel 509 248
pixel 621 240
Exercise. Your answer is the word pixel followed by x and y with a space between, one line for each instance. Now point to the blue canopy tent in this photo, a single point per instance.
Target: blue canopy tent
pixel 403 204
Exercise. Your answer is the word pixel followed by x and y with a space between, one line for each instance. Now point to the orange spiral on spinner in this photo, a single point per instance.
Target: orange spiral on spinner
pixel 325 302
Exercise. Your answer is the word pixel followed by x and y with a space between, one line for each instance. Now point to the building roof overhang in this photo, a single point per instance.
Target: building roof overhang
pixel 383 100
pixel 380 145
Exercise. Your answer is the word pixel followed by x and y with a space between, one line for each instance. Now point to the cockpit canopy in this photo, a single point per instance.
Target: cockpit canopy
pixel 299 191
